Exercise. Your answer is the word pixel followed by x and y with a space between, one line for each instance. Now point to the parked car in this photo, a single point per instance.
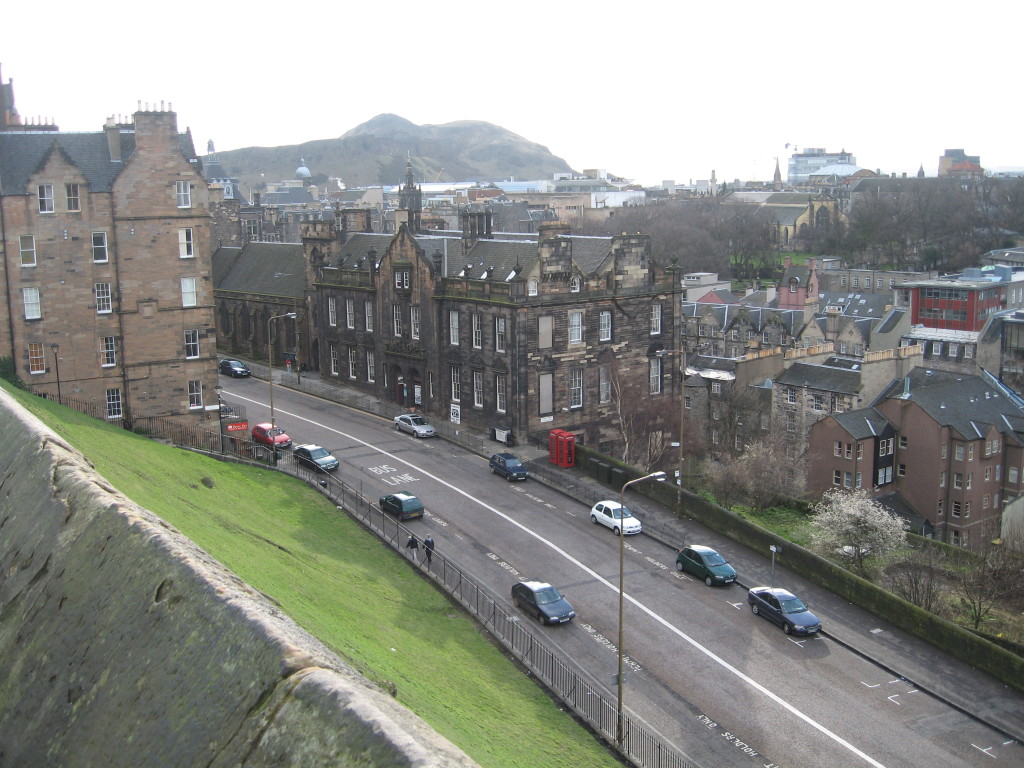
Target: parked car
pixel 613 515
pixel 540 599
pixel 269 435
pixel 414 424
pixel 705 563
pixel 784 608
pixel 508 466
pixel 315 457
pixel 404 506
pixel 234 368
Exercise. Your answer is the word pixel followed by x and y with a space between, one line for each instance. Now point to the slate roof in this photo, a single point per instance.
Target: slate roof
pixel 224 259
pixel 288 196
pixel 22 154
pixel 759 317
pixel 863 423
pixel 856 304
pixel 821 377
pixel 267 269
pixel 968 404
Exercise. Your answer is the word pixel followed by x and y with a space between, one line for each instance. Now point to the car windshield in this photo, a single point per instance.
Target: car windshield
pixel 621 512
pixel 417 421
pixel 318 453
pixel 713 558
pixel 548 595
pixel 792 605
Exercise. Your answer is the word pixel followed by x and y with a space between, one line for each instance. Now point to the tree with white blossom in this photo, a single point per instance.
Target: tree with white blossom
pixel 852 523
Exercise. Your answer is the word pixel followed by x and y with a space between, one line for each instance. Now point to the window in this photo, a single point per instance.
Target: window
pixel 958 452
pixel 99 247
pixel 191 344
pixel 33 308
pixel 903 441
pixel 368 313
pixel 716 387
pixel 1011 475
pixel 188 292
pixel 108 351
pixel 957 508
pixel 818 402
pixel 195 394
pixel 531 288
pixel 414 322
pixel 499 334
pixel 350 313
pixel 790 395
pixel 545 393
pixel 72 197
pixel 605 333
pixel 654 375
pixel 402 279
pixel 970 478
pixel 333 349
pixel 849 450
pixel 351 362
pixel 575 327
pixel 28 250
pixel 183 191
pixel 988 474
pixel 885 447
pixel 837 448
pixel 478 331
pixel 102 293
pixel 970 452
pixel 574 284
pixel 576 388
pixel 848 479
pixel 902 470
pixel 114 410
pixel 655 319
pixel 790 422
pixel 45 194
pixel 501 392
pixel 956 539
pixel 456 379
pixel 371 366
pixel 856 282
pixel 837 477
pixel 332 311
pixel 968 352
pixel 986 501
pixel 478 389
pixel 545 331
pixel 186 248
pixel 36 358
pixel 604 384
pixel 453 327
pixel 942 479
pixel 396 319
pixel 958 480
pixel 952 350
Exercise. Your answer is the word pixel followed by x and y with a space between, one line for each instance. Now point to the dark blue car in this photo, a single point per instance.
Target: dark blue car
pixel 785 609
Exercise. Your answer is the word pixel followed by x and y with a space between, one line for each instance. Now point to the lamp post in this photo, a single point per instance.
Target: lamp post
pixel 622 560
pixel 56 366
pixel 220 416
pixel 270 360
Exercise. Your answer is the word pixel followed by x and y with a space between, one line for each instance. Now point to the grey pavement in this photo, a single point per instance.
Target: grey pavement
pixel 903 656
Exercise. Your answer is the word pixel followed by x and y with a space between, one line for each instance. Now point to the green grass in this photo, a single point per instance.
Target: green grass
pixel 345 587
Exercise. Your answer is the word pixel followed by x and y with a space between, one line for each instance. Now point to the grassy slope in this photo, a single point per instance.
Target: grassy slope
pixel 345 587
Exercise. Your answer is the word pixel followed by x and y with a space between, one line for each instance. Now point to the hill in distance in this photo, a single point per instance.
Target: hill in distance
pixel 375 153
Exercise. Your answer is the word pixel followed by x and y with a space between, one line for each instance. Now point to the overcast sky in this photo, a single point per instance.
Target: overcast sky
pixel 647 90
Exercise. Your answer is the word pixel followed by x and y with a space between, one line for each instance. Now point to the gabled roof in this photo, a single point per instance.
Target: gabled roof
pixel 23 154
pixel 855 304
pixel 863 423
pixel 267 269
pixel 822 377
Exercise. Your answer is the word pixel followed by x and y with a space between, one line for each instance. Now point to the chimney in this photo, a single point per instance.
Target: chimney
pixel 113 139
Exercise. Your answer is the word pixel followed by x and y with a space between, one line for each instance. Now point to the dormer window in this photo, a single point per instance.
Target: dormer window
pixel 574 284
pixel 531 288
pixel 401 279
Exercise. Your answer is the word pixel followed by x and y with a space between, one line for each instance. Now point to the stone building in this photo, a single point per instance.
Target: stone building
pixel 107 280
pixel 525 333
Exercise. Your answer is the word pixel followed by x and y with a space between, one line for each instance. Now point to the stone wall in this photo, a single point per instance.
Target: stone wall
pixel 124 644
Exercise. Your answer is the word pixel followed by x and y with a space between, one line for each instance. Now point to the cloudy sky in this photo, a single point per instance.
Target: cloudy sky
pixel 647 90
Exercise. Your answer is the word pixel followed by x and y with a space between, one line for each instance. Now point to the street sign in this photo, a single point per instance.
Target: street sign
pixel 237 426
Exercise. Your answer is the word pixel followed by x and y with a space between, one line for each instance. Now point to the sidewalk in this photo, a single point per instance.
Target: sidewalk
pixel 907 659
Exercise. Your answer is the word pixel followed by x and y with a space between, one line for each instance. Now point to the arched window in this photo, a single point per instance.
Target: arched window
pixel 531 288
pixel 574 284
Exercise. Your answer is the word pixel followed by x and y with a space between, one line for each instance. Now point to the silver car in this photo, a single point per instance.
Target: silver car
pixel 414 424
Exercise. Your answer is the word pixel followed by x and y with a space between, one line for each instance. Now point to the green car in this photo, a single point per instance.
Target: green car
pixel 705 563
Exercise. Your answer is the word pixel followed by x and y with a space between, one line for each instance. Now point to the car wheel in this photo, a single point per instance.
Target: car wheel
pixel 787 628
pixel 492 470
pixel 540 618
pixel 398 427
pixel 754 608
pixel 615 531
pixel 708 581
pixel 679 566
pixel 593 519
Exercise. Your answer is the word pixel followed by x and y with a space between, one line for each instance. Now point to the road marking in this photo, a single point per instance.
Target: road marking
pixel 597 577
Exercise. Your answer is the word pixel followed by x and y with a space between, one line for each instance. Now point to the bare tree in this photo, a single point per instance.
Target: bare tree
pixel 644 423
pixel 918 578
pixel 759 476
pixel 994 578
pixel 852 523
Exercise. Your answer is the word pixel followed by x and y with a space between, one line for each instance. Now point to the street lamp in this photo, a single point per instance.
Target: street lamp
pixel 622 560
pixel 220 416
pixel 270 361
pixel 56 365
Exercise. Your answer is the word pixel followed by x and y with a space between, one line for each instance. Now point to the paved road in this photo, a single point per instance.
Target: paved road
pixel 730 688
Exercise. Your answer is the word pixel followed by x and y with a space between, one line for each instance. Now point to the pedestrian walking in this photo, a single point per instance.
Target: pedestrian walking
pixel 428 548
pixel 414 545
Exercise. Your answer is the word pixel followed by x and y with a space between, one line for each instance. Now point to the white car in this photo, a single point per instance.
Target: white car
pixel 414 424
pixel 613 515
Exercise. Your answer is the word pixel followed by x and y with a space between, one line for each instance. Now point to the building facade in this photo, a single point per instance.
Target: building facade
pixel 107 272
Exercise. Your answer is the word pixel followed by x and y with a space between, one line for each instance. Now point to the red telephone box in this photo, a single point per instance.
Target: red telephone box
pixel 562 448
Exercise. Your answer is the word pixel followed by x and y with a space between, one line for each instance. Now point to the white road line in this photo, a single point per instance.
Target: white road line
pixel 597 577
